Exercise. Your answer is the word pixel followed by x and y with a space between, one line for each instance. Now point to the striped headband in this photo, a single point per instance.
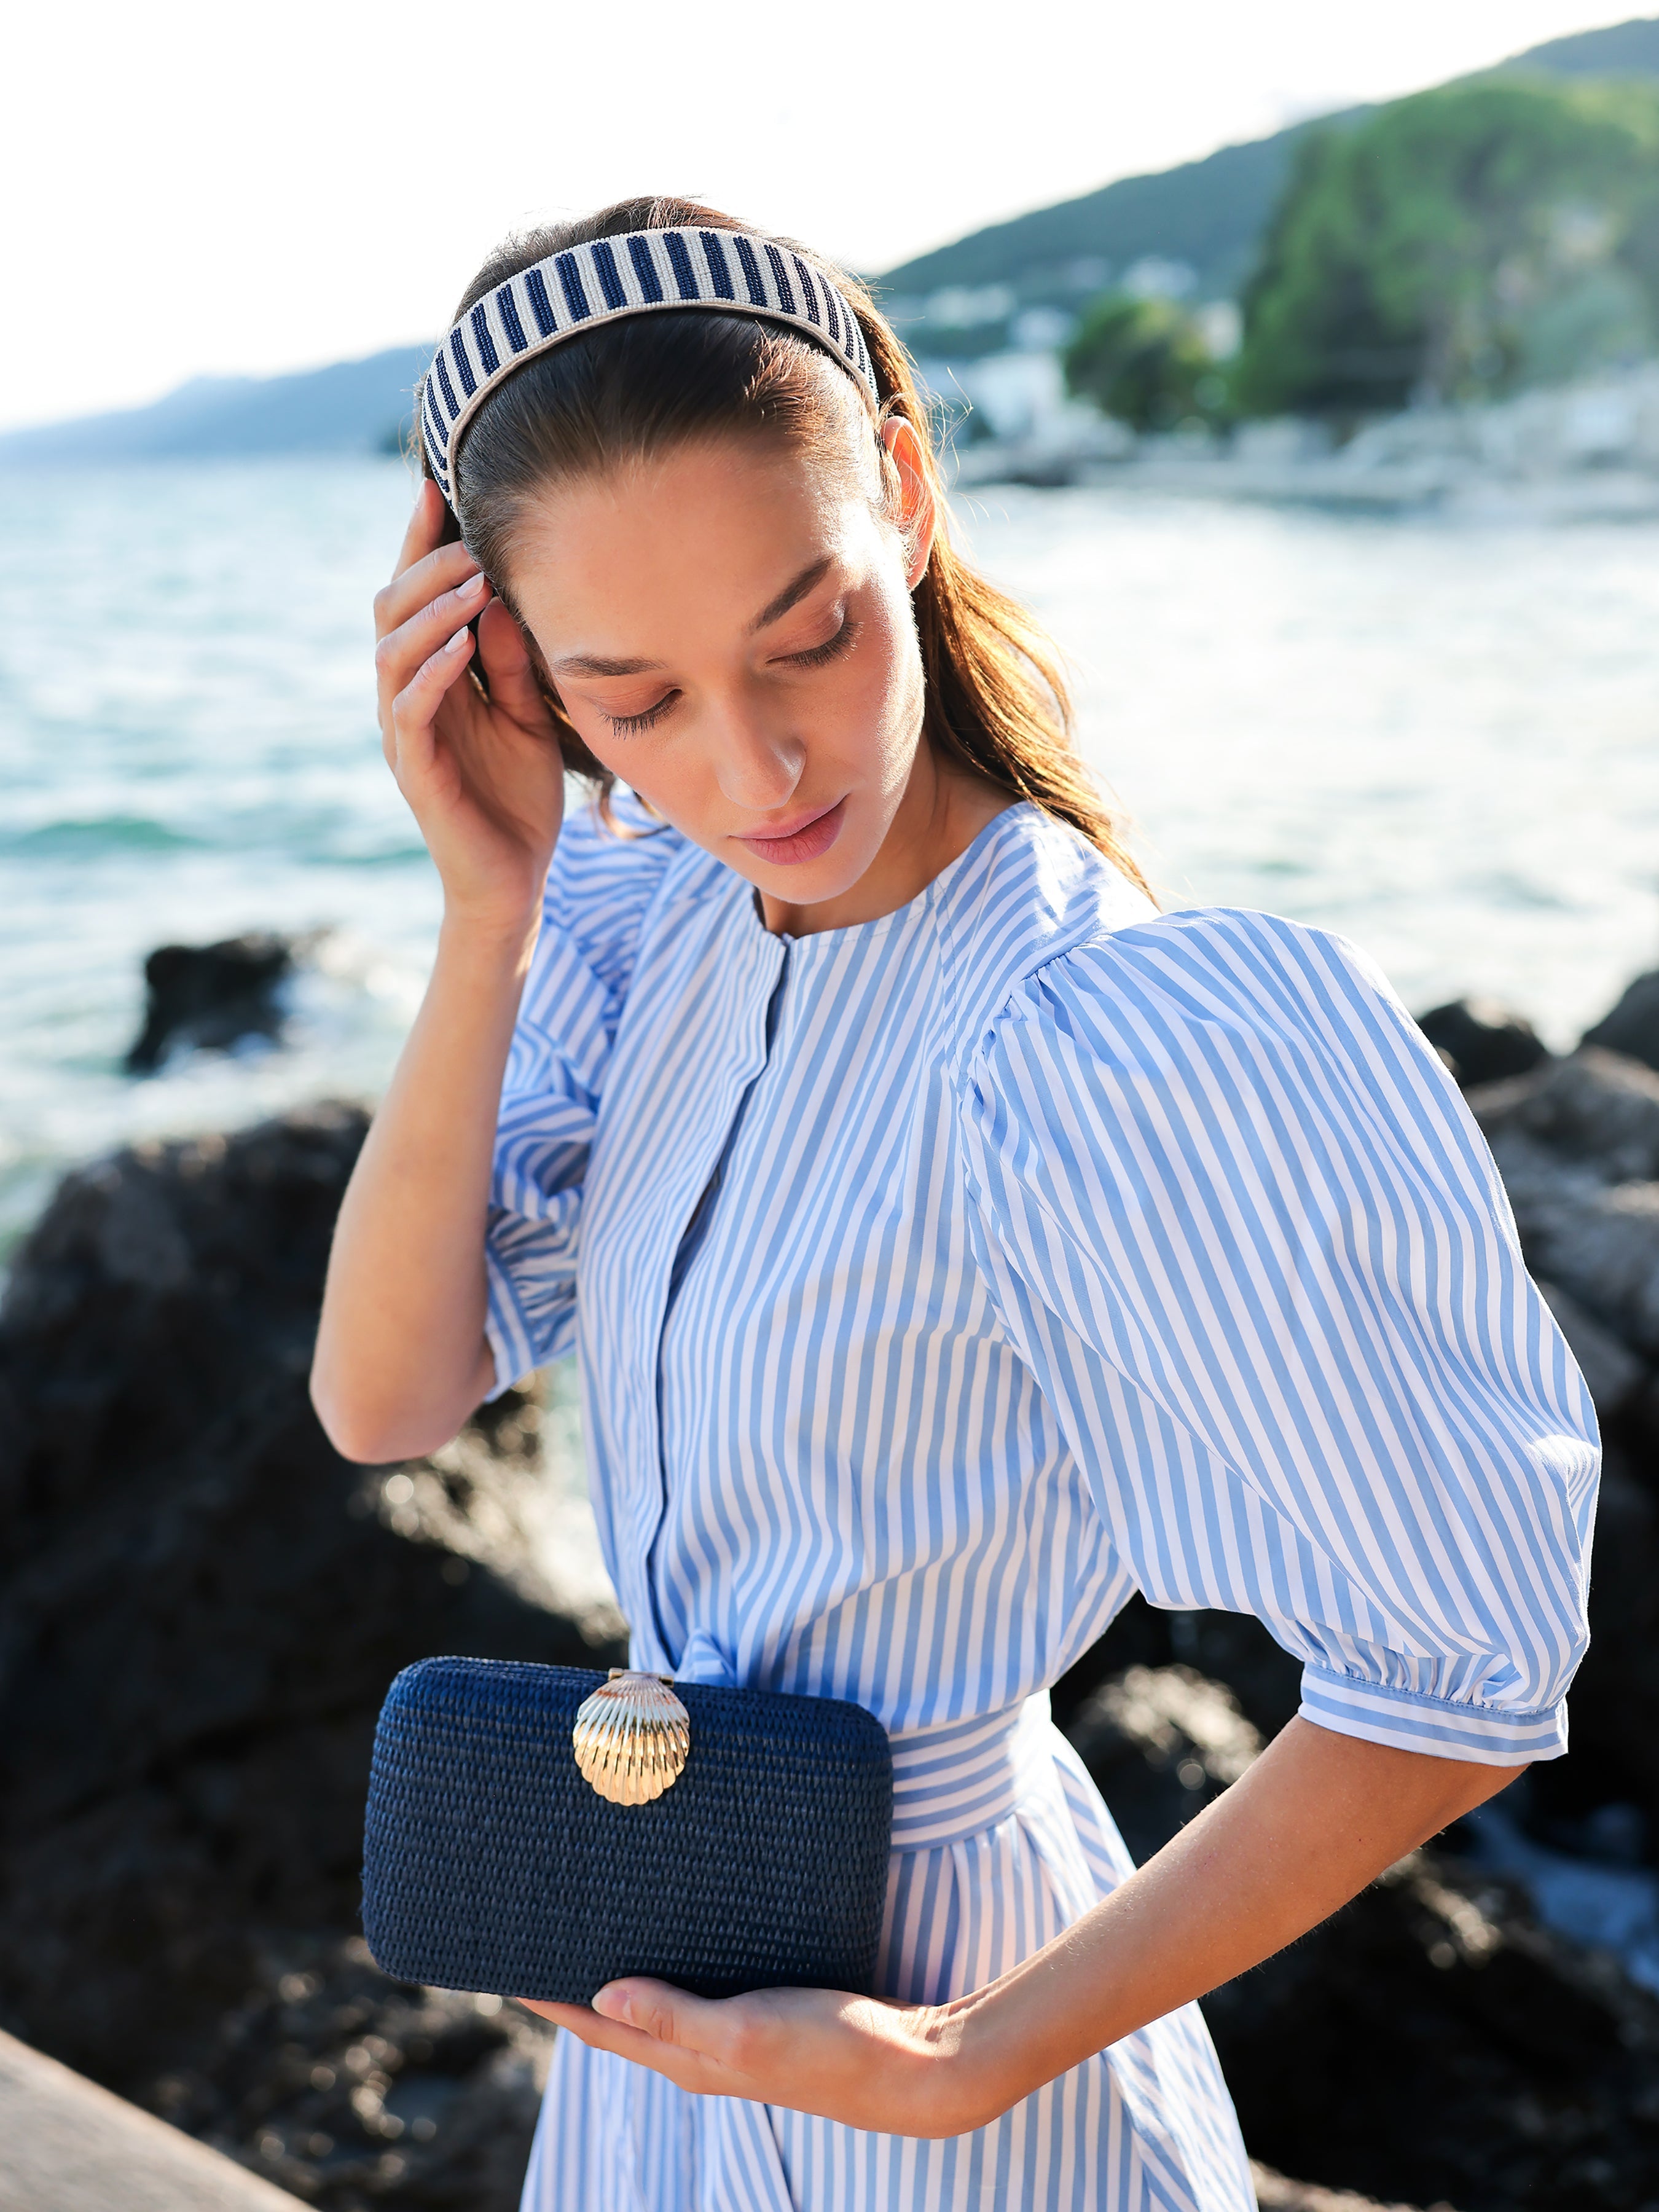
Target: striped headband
pixel 613 277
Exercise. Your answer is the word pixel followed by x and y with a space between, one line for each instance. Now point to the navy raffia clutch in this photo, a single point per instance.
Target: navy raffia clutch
pixel 501 1851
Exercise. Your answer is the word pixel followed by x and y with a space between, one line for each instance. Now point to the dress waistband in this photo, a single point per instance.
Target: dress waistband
pixel 950 1781
pixel 954 1781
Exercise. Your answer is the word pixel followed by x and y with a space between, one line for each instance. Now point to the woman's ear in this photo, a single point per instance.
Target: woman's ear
pixel 918 510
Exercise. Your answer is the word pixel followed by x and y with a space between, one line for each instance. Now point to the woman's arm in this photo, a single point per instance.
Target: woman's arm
pixel 401 1359
pixel 1316 1817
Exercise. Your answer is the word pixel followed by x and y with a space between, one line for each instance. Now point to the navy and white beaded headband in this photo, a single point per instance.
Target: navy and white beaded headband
pixel 613 277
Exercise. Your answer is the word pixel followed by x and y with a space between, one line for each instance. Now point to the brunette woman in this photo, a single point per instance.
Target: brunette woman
pixel 950 1242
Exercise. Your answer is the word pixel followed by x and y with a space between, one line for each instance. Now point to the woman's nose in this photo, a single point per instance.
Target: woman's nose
pixel 757 769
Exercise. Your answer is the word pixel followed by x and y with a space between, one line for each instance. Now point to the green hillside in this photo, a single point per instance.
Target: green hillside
pixel 1209 214
pixel 1621 50
pixel 1459 245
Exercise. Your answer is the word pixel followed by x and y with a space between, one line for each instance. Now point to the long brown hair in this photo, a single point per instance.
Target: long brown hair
pixel 995 697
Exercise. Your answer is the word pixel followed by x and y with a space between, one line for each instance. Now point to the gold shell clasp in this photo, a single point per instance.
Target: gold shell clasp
pixel 632 1737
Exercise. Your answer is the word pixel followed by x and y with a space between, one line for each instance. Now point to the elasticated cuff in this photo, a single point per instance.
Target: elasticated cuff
pixel 1411 1722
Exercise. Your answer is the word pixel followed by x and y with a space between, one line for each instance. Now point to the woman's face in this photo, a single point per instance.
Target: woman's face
pixel 729 628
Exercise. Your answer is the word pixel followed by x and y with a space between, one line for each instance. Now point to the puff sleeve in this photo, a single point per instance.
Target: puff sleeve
pixel 1238 1220
pixel 600 889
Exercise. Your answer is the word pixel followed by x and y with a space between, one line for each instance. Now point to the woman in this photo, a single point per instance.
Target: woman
pixel 951 1244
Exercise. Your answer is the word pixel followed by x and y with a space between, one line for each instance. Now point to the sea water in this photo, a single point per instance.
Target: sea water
pixel 1436 737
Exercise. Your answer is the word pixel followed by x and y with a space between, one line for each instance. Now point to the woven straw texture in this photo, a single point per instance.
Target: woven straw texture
pixel 489 1864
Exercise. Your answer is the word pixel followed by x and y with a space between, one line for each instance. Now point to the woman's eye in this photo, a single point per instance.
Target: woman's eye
pixel 816 655
pixel 627 726
pixel 631 726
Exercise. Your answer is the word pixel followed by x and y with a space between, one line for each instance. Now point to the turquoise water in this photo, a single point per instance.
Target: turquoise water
pixel 1438 737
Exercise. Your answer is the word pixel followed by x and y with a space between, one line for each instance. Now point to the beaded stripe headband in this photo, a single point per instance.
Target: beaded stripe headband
pixel 609 279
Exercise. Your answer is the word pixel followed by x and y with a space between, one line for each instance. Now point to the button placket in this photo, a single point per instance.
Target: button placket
pixel 696 1195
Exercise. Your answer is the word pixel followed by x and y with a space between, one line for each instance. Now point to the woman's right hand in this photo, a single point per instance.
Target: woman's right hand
pixel 484 778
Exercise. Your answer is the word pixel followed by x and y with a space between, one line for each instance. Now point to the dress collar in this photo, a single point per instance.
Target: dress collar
pixel 826 944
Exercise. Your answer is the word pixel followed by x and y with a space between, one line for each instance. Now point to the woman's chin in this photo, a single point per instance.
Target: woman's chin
pixel 827 864
pixel 811 884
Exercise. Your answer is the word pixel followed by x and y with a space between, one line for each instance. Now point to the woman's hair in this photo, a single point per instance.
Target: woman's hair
pixel 995 698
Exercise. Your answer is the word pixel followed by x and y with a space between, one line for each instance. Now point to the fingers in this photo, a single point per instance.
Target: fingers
pixel 690 2069
pixel 507 663
pixel 425 522
pixel 639 2011
pixel 869 2062
pixel 417 582
pixel 667 2014
pixel 700 2042
pixel 403 651
pixel 416 586
pixel 410 741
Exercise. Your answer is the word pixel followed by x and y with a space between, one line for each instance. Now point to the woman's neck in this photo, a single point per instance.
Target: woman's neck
pixel 944 809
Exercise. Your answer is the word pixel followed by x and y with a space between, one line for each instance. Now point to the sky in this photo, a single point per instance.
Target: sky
pixel 216 189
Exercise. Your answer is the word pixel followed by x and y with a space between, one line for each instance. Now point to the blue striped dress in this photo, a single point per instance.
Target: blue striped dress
pixel 938 1282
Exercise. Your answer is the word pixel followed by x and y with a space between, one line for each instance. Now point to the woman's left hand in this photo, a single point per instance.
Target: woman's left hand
pixel 1315 1818
pixel 892 2069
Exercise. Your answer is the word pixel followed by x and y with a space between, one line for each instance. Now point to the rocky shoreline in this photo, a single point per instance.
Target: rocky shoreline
pixel 1586 451
pixel 201 1605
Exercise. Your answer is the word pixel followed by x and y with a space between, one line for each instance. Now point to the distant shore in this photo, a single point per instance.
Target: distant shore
pixel 1587 451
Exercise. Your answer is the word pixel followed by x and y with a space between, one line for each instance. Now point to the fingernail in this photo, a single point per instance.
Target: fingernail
pixel 461 639
pixel 472 587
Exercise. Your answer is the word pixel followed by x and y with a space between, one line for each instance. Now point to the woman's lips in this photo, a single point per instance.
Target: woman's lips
pixel 809 838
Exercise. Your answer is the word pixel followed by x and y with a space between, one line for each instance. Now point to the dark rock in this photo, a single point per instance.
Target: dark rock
pixel 1563 1138
pixel 1482 1042
pixel 1600 1242
pixel 1632 1027
pixel 1594 1110
pixel 1640 1424
pixel 1231 1648
pixel 1275 2192
pixel 202 1604
pixel 1612 1372
pixel 345 2089
pixel 1432 2044
pixel 1235 1650
pixel 1614 1700
pixel 1577 1145
pixel 210 995
pixel 1161 1743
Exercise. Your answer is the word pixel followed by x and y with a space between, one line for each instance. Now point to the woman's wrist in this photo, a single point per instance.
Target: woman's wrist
pixel 974 2073
pixel 498 936
pixel 1001 2043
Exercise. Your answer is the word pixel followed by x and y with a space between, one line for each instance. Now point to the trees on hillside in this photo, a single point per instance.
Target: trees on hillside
pixel 1144 361
pixel 1446 244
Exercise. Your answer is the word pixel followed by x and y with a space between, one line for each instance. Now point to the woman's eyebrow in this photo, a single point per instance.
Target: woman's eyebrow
pixel 792 593
pixel 591 664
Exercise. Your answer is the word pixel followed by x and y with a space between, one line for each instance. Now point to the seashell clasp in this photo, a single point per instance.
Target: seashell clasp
pixel 632 1737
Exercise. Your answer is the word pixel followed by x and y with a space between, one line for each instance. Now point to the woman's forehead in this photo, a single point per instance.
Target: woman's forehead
pixel 730 531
